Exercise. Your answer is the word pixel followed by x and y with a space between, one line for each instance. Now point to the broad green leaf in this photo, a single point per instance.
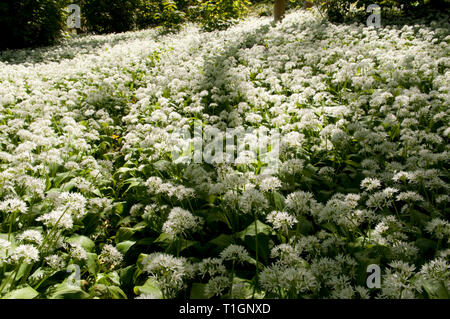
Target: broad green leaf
pixel 115 292
pixel 250 230
pixel 23 269
pixel 91 263
pixel 126 275
pixel 67 291
pixel 84 241
pixel 22 293
pixel 198 291
pixel 222 241
pixel 91 221
pixel 141 261
pixel 108 278
pixel 124 234
pixel 150 287
pixel 279 200
pixel 164 240
pixel 436 289
pixel 123 247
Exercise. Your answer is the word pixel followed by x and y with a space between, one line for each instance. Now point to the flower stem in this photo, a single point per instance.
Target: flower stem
pixel 256 256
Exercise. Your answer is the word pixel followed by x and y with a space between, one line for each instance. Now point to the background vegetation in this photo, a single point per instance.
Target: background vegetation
pixel 41 22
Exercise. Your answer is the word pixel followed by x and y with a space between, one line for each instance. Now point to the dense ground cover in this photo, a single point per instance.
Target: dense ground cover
pixel 90 130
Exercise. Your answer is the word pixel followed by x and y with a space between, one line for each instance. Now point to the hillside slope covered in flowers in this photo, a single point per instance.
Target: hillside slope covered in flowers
pixel 93 202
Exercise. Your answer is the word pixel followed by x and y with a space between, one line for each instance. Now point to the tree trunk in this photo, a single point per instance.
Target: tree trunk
pixel 279 10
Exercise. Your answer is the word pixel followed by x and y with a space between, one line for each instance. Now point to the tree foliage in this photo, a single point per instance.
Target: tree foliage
pixel 30 22
pixel 219 14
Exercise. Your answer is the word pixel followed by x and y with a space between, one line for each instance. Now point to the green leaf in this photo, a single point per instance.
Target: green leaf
pixel 22 293
pixel 418 218
pixel 84 241
pixel 118 207
pixel 215 216
pixel 132 182
pixel 96 192
pixel 123 247
pixel 91 263
pixel 150 287
pixel 198 291
pixel 164 240
pixel 108 278
pixel 65 291
pixel 23 269
pixel 279 200
pixel 250 230
pixel 126 275
pixel 352 163
pixel 145 241
pixel 248 237
pixel 115 292
pixel 263 246
pixel 222 241
pixel 436 289
pixel 124 170
pixel 124 234
pixel 305 226
pixel 67 187
pixel 140 261
pixel 91 221
pixel 425 245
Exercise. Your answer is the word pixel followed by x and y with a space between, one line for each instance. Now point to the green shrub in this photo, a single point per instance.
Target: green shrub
pixel 219 14
pixel 168 13
pixel 31 22
pixel 106 16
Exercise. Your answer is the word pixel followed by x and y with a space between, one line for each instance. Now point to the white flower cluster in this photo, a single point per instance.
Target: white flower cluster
pixel 110 256
pixel 89 129
pixel 181 221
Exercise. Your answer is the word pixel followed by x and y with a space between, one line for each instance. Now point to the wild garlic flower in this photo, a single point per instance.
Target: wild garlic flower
pixel 287 254
pixel 211 267
pixel 235 253
pixel 169 271
pixel 181 221
pixel 55 262
pixel 300 202
pixel 281 220
pixel 396 281
pixel 291 281
pixel 75 203
pixel 77 252
pixel 59 218
pixel 292 167
pixel 437 269
pixel 409 197
pixel 252 201
pixel 13 205
pixel 33 236
pixel 110 256
pixel 370 184
pixel 268 183
pixel 439 228
pixel 4 244
pixel 216 286
pixel 26 253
